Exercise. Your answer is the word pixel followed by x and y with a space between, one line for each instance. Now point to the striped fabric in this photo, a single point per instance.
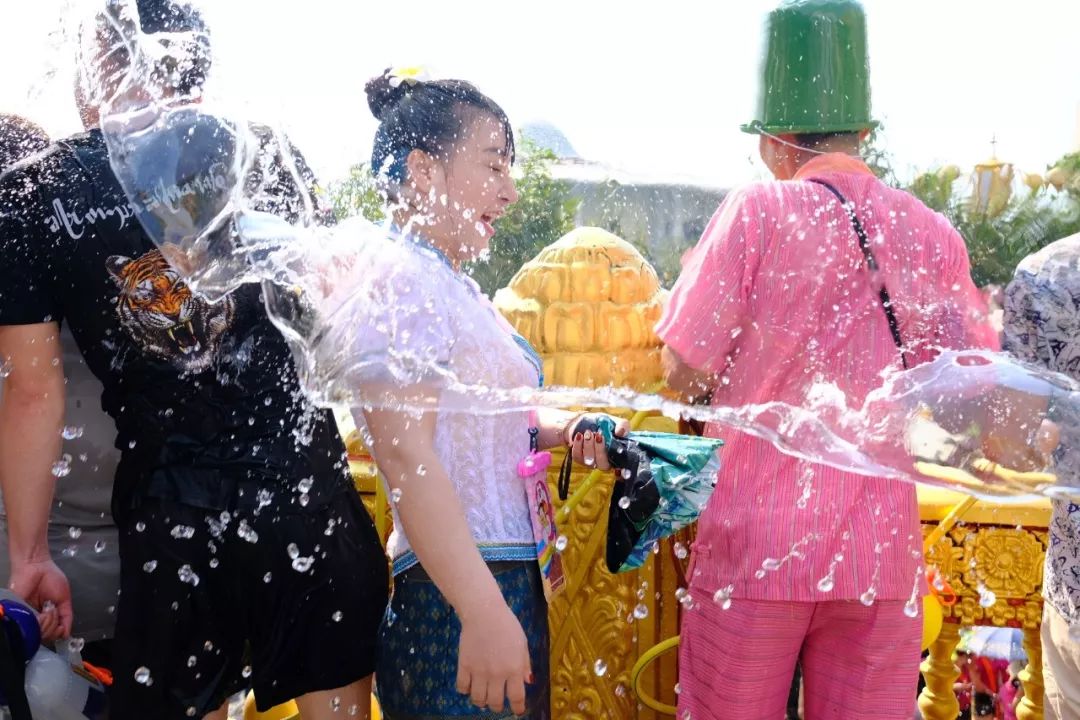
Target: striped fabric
pixel 776 296
pixel 858 662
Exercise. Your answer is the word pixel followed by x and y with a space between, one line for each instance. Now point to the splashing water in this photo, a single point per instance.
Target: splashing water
pixel 187 575
pixel 987 597
pixel 183 532
pixel 72 432
pixel 62 467
pixel 722 597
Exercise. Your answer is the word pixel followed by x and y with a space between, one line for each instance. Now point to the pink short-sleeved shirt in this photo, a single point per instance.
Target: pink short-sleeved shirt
pixel 777 296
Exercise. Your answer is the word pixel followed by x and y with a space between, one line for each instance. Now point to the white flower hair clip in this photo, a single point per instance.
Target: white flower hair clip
pixel 412 75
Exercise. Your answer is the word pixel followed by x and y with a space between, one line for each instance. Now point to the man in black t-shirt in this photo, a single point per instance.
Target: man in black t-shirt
pixel 246 556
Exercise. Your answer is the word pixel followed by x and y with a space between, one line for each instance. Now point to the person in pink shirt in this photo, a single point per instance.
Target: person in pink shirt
pixel 821 567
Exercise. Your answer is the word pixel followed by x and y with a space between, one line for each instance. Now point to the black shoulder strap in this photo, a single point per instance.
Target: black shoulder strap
pixel 871 263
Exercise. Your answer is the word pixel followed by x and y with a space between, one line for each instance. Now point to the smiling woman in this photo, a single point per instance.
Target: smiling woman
pixel 442 154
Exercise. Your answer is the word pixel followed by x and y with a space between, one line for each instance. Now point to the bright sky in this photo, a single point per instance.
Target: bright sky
pixel 654 88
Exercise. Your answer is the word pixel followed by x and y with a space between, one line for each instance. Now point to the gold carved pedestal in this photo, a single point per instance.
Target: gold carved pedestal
pixel 993 559
pixel 588 304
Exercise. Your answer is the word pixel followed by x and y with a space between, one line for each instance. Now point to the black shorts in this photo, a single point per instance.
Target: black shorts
pixel 284 603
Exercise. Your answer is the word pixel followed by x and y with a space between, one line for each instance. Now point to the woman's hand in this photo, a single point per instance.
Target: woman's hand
pixel 493 660
pixel 588 447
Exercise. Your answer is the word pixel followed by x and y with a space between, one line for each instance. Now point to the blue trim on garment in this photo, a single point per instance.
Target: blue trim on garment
pixel 490 554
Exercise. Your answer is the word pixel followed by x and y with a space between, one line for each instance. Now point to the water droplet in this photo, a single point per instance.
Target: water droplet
pixel 336 617
pixel 335 703
pixel 5 368
pixel 72 432
pixel 421 470
pixel 627 474
pixel 600 668
pixel 191 711
pixel 680 593
pixel 987 598
pixel 304 500
pixel 771 564
pixel 759 574
pixel 911 608
pixel 722 597
pixel 185 532
pixel 304 486
pixel 641 611
pixel 624 502
pixel 70 551
pixel 354 710
pixel 826 584
pixel 395 495
pixel 620 690
pixel 62 467
pixel 267 577
pixel 681 551
pixel 99 546
pixel 246 672
pixel 208 646
pixel 140 527
pixel 149 566
pixel 142 676
pixel 293 550
pixel 74 533
pixel 560 543
pixel 187 575
pixel 246 532
pixel 868 597
pixel 268 402
pixel 77 644
pixel 302 564
pixel 214 563
pixel 678 689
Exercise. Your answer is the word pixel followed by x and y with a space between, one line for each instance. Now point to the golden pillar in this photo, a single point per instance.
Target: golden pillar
pixel 588 304
pixel 1031 705
pixel 938 700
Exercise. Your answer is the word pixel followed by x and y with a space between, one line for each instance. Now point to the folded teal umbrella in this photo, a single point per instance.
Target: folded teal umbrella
pixel 663 481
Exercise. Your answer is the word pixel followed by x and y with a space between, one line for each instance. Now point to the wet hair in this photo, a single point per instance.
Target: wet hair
pixel 186 71
pixel 19 139
pixel 812 140
pixel 429 116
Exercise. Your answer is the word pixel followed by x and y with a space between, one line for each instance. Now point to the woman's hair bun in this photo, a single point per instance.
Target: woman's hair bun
pixel 382 96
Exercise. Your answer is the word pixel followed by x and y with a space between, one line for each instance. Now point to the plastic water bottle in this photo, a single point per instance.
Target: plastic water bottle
pixel 57 685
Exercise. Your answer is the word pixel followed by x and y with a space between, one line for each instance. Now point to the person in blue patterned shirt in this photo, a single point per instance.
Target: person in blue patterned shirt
pixel 1042 326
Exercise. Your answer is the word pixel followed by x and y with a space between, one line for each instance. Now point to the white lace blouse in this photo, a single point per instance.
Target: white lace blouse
pixel 422 320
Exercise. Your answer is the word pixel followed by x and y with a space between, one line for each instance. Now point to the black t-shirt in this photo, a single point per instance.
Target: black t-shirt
pixel 205 396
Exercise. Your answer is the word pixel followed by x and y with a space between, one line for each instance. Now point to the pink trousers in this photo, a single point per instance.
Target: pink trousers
pixel 857 661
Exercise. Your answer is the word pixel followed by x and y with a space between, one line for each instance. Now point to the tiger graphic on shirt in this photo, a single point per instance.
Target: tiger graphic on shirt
pixel 163 316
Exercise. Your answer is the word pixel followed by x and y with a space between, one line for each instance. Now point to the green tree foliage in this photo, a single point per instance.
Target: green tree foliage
pixel 543 213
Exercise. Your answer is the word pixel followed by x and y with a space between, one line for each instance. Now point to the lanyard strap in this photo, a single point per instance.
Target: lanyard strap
pixel 871 264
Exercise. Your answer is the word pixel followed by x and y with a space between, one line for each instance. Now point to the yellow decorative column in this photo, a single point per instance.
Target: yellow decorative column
pixel 588 304
pixel 938 700
pixel 1031 705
